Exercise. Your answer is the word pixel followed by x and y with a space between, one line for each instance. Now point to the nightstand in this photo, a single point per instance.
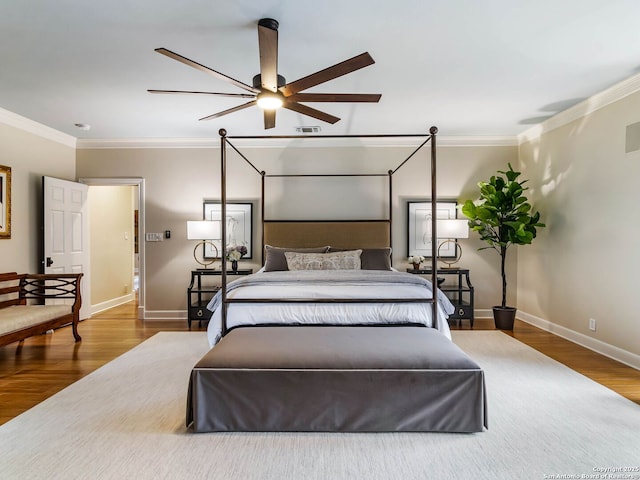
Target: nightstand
pixel 460 292
pixel 199 295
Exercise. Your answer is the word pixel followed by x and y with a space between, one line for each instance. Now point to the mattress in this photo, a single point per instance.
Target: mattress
pixel 323 285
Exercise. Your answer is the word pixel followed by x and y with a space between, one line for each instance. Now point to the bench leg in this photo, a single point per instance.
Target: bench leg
pixel 74 326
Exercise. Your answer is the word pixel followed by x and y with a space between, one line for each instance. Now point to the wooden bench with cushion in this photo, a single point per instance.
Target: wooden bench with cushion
pixel 32 304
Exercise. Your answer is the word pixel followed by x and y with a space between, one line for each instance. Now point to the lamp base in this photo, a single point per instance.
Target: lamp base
pixel 453 260
pixel 205 264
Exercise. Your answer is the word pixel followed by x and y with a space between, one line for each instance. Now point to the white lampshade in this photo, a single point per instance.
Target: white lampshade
pixel 452 228
pixel 203 230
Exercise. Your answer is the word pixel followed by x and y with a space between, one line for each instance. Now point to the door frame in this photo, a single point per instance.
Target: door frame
pixel 136 182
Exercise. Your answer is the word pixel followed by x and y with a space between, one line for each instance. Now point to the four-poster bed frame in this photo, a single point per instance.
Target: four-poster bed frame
pixel 226 140
pixel 355 377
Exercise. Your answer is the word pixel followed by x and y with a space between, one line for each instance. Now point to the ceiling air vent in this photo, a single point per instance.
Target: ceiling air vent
pixel 308 129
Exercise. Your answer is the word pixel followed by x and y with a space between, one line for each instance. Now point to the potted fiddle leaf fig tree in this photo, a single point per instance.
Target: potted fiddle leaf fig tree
pixel 503 217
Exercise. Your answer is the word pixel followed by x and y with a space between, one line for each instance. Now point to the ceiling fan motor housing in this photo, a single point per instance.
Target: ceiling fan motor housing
pixel 257 81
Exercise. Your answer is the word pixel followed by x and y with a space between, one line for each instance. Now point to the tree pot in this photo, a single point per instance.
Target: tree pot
pixel 504 317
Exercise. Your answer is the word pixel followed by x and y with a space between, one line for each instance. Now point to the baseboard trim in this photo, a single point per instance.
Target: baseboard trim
pixel 611 351
pixel 165 315
pixel 114 302
pixel 483 313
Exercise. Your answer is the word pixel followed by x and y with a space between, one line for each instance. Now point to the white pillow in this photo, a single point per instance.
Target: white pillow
pixel 349 260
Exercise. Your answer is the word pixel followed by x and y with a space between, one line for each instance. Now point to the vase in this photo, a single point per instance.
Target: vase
pixel 416 266
pixel 234 265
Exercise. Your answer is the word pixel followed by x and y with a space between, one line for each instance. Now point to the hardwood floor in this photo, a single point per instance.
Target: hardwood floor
pixel 41 366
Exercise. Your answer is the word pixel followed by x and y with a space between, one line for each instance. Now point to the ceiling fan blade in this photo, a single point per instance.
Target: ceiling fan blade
pixel 335 71
pixel 269 119
pixel 239 95
pixel 230 110
pixel 310 112
pixel 268 44
pixel 208 70
pixel 335 97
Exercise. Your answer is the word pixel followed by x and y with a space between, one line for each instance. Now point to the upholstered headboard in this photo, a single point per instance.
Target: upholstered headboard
pixel 338 234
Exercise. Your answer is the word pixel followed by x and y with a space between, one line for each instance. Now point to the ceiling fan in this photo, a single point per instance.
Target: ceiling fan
pixel 270 90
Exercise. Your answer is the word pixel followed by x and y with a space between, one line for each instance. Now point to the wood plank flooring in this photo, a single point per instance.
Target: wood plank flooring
pixel 41 366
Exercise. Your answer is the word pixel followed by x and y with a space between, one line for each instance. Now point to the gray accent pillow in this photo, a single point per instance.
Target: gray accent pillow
pixel 275 260
pixel 372 258
pixel 348 260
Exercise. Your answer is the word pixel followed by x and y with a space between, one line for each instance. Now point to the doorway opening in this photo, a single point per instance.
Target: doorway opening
pixel 122 278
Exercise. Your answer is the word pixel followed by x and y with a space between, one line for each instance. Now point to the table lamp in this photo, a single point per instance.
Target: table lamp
pixel 451 229
pixel 206 231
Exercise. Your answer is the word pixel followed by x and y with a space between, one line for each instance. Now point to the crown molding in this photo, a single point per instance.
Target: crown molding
pixel 586 107
pixel 479 141
pixel 91 144
pixel 446 141
pixel 14 120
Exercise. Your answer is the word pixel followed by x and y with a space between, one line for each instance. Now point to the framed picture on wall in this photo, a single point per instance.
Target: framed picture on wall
pixel 419 225
pixel 5 202
pixel 238 224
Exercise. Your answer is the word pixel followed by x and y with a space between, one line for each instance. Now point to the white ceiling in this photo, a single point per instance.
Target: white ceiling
pixel 471 67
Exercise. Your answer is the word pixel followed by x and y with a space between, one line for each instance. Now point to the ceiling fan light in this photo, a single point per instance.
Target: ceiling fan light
pixel 269 100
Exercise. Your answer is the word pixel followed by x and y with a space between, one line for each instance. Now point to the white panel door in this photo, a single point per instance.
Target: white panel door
pixel 66 232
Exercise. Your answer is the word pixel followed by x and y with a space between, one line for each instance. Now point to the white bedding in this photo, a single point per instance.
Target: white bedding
pixel 354 284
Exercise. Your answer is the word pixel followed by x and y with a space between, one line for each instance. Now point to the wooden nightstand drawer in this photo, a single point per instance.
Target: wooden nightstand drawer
pixel 199 313
pixel 462 311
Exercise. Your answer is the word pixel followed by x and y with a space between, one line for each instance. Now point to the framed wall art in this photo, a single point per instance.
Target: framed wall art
pixel 239 226
pixel 419 226
pixel 5 202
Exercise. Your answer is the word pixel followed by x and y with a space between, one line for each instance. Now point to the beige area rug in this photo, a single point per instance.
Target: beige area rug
pixel 126 420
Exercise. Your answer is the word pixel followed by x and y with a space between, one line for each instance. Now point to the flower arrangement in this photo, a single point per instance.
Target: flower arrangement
pixel 416 260
pixel 236 253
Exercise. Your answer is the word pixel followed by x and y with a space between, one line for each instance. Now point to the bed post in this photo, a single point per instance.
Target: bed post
pixel 262 175
pixel 434 234
pixel 390 173
pixel 223 225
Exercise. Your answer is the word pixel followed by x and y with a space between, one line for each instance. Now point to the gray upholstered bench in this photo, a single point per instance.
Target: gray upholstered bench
pixel 338 379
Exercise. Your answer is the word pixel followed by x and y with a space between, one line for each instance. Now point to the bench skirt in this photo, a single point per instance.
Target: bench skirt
pixel 336 379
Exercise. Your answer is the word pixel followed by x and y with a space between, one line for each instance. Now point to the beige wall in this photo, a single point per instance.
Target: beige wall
pixel 585 264
pixel 178 180
pixel 111 242
pixel 30 157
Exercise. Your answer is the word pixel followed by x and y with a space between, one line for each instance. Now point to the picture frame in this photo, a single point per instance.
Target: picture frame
pixel 419 227
pixel 5 202
pixel 239 226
